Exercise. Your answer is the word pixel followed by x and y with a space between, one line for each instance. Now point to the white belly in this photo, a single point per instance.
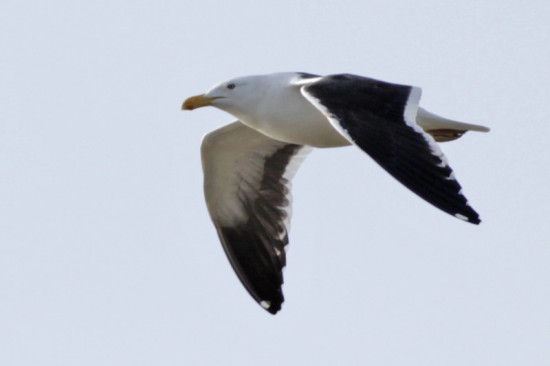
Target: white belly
pixel 295 120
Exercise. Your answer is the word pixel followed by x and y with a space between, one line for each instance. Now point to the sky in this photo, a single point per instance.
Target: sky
pixel 107 253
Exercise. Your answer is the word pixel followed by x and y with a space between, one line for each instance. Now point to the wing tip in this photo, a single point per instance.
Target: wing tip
pixel 472 218
pixel 272 307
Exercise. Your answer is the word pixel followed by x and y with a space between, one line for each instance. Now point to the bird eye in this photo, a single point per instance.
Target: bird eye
pixel 231 86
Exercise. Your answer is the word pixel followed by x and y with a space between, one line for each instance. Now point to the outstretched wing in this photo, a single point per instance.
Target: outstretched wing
pixel 247 188
pixel 379 118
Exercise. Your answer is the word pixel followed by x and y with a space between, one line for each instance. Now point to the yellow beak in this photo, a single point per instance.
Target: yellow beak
pixel 196 102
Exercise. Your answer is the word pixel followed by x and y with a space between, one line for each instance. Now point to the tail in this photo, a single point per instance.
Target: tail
pixel 443 129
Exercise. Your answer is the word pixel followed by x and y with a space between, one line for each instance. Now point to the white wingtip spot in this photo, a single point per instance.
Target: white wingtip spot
pixel 462 217
pixel 265 304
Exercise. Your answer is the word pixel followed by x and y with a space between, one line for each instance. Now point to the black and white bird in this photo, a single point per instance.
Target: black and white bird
pixel 249 163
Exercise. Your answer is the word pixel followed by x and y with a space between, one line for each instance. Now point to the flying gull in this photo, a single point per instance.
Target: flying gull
pixel 249 163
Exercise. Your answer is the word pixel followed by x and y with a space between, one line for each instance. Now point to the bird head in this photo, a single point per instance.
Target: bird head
pixel 231 96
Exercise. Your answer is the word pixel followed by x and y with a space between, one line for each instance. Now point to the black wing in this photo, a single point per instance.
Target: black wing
pixel 380 118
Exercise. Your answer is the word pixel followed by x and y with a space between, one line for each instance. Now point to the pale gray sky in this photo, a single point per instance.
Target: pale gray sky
pixel 107 254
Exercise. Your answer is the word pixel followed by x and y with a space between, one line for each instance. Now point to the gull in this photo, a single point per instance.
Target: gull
pixel 248 164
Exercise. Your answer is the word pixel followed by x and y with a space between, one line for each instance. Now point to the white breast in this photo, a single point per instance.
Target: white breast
pixel 287 116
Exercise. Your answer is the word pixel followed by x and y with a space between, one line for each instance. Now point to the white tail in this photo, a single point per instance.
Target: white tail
pixel 443 129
